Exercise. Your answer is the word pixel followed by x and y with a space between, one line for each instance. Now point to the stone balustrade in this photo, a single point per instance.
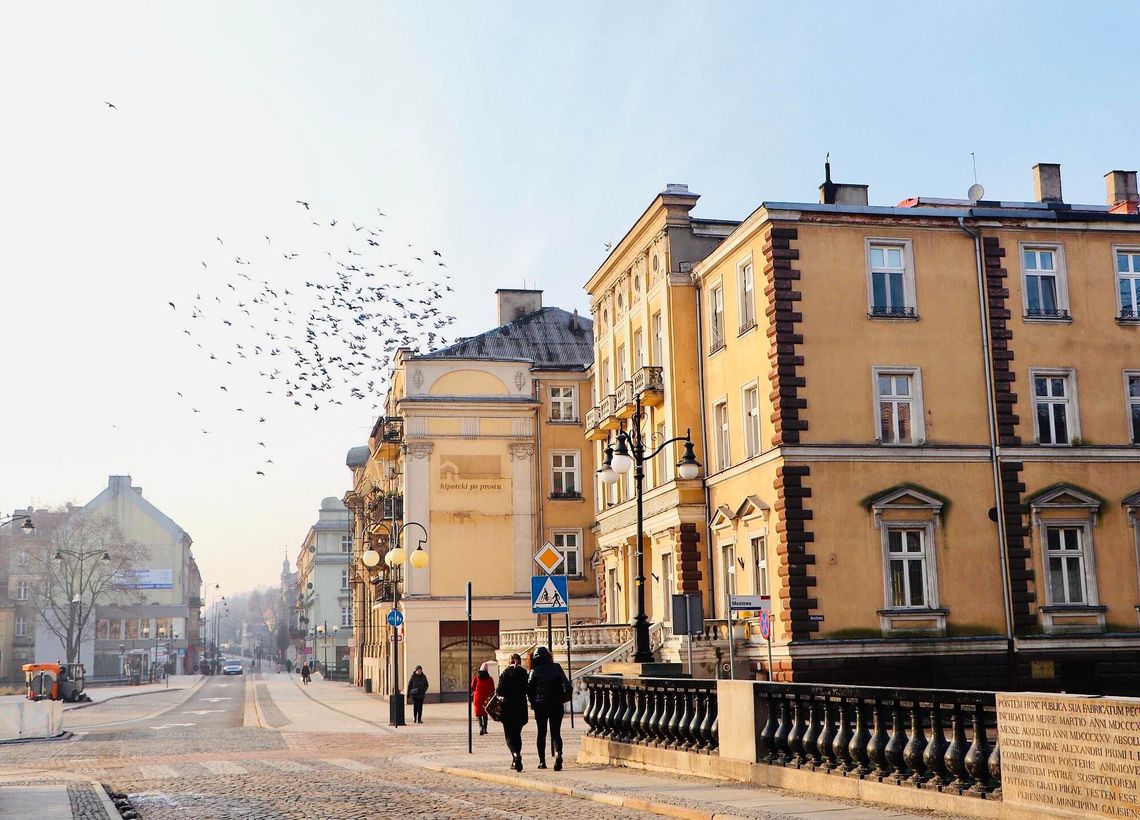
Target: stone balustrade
pixel 676 714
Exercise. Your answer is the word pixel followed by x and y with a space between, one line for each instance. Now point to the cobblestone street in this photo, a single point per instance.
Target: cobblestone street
pixel 265 747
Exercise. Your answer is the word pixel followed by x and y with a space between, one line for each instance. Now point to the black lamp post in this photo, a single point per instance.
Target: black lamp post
pixel 630 452
pixel 394 558
pixel 75 613
pixel 26 528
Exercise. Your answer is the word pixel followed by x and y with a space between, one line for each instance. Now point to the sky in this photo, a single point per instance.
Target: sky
pixel 515 139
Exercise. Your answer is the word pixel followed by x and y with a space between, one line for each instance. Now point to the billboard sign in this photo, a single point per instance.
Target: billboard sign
pixel 144 579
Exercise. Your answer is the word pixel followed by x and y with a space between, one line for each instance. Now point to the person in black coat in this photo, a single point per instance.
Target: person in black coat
pixel 417 691
pixel 547 689
pixel 512 689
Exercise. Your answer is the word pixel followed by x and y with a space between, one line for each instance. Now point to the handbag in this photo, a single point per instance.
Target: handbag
pixel 494 708
pixel 567 689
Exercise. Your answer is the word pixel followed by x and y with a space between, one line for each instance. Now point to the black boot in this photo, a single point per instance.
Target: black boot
pixel 518 763
pixel 558 762
pixel 542 761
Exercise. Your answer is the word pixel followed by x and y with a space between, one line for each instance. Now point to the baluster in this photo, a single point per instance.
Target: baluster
pixel 811 736
pixel 621 694
pixel 956 751
pixel 783 755
pixel 877 745
pixel 897 744
pixel 612 712
pixel 796 735
pixel 700 704
pixel 645 729
pixel 912 754
pixel 638 713
pixel 842 742
pixel 663 728
pixel 653 732
pixel 710 729
pixel 627 715
pixel 977 758
pixel 675 736
pixel 933 757
pixel 591 713
pixel 827 736
pixel 859 740
pixel 768 733
pixel 995 767
pixel 601 717
pixel 684 715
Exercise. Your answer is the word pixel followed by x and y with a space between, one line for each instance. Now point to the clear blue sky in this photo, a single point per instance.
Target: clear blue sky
pixel 515 139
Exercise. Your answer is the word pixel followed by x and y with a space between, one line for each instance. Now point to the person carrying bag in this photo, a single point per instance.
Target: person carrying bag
pixel 510 703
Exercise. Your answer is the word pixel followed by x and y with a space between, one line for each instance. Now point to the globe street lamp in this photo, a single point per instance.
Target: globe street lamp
pixel 630 453
pixel 394 558
pixel 26 526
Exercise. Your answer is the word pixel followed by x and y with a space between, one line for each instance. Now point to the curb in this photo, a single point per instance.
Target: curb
pixel 91 703
pixel 607 799
pixel 251 714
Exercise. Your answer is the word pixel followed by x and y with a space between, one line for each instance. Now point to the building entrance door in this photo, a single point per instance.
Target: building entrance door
pixel 453 680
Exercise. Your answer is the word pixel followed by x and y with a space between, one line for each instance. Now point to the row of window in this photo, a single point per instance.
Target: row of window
pixel 656 353
pixel 899 412
pixel 619 299
pixel 891 286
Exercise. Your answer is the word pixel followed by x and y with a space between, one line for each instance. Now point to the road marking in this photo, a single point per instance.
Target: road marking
pixel 171 725
pixel 223 767
pixel 215 700
pixel 351 765
pixel 203 711
pixel 157 772
pixel 288 765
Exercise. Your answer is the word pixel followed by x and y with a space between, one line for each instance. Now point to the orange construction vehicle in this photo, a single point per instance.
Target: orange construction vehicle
pixel 55 681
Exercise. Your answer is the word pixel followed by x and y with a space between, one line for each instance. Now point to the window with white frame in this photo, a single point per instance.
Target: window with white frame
pixel 638 349
pixel 1043 281
pixel 21 590
pixel 728 570
pixel 623 365
pixel 1128 282
pixel 612 591
pixel 605 378
pixel 1132 396
pixel 760 555
pixel 668 585
pixel 907 575
pixel 898 405
pixel 716 317
pixel 24 558
pixel 346 543
pixel 661 466
pixel 891 274
pixel 346 616
pixel 720 431
pixel 344 579
pixel 1055 407
pixel 569 543
pixel 564 473
pixel 747 294
pixel 21 626
pixel 1065 564
pixel 751 421
pixel 562 403
pixel 658 330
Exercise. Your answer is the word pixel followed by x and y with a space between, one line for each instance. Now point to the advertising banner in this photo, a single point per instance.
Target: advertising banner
pixel 144 579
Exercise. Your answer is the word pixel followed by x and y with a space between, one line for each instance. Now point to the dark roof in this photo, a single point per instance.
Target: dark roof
pixel 551 338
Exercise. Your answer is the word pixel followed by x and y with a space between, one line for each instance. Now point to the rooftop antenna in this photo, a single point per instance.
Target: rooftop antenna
pixel 828 187
pixel 976 191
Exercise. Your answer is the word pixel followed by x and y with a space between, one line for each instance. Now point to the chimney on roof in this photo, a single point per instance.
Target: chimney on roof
pixel 121 483
pixel 515 304
pixel 1047 182
pixel 839 193
pixel 1120 192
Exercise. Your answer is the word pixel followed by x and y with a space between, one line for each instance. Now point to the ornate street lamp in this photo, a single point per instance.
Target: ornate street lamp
pixel 630 453
pixel 26 527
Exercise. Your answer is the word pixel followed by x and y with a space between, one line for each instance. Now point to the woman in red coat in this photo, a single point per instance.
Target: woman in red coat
pixel 482 688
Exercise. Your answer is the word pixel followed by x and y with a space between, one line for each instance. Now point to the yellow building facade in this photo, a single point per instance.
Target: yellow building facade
pixel 921 429
pixel 481 451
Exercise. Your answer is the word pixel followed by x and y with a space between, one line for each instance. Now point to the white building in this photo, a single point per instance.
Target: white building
pixel 324 586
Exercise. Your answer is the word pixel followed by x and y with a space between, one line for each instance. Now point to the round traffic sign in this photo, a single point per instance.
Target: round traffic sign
pixel 765 625
pixel 395 618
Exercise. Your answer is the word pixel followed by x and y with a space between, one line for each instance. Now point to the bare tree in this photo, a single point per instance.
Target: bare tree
pixel 82 564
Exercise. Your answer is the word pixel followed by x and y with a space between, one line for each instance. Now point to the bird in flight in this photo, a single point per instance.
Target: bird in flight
pixel 110 105
pixel 172 305
pixel 302 202
pixel 260 473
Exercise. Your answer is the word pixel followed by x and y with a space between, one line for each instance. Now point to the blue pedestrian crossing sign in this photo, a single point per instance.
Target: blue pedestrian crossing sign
pixel 395 618
pixel 548 594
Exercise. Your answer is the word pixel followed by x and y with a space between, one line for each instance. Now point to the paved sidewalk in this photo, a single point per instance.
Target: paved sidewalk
pixel 444 735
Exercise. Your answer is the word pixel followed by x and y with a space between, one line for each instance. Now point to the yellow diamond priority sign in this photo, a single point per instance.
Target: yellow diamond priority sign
pixel 549 558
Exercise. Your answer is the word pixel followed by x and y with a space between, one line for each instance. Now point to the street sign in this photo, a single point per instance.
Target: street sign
pixel 749 603
pixel 395 618
pixel 397 635
pixel 548 594
pixel 549 558
pixel 765 625
pixel 182 651
pixel 688 615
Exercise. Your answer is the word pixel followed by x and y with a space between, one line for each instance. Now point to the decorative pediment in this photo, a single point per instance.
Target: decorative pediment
pixel 906 498
pixel 1131 506
pixel 1065 497
pixel 752 507
pixel 722 517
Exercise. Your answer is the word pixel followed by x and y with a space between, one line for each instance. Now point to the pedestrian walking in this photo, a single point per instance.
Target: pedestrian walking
pixel 547 689
pixel 512 689
pixel 482 688
pixel 306 674
pixel 417 691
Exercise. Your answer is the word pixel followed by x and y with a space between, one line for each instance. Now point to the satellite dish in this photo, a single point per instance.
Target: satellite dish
pixel 976 192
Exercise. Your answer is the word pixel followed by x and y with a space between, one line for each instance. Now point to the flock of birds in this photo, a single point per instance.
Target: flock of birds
pixel 322 335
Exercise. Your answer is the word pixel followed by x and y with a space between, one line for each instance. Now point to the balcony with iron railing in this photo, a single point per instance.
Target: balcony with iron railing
pixel 623 400
pixel 593 428
pixel 607 413
pixel 649 383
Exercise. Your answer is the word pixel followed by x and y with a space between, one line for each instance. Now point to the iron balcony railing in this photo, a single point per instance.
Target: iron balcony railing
pixel 673 714
pixel 892 312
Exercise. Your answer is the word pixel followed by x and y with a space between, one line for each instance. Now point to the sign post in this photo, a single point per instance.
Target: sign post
pixel 470 692
pixel 688 619
pixel 569 662
pixel 761 604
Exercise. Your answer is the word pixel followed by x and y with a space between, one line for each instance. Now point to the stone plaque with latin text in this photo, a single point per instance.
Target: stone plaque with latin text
pixel 1068 753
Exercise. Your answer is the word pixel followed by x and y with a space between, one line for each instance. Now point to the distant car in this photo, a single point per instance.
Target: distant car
pixel 233 668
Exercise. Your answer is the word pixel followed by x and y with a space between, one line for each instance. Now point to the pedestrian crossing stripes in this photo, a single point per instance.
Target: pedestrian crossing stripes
pixel 157 772
pixel 351 765
pixel 223 767
pixel 288 765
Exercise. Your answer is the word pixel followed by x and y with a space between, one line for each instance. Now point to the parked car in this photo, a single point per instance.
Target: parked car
pixel 234 667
